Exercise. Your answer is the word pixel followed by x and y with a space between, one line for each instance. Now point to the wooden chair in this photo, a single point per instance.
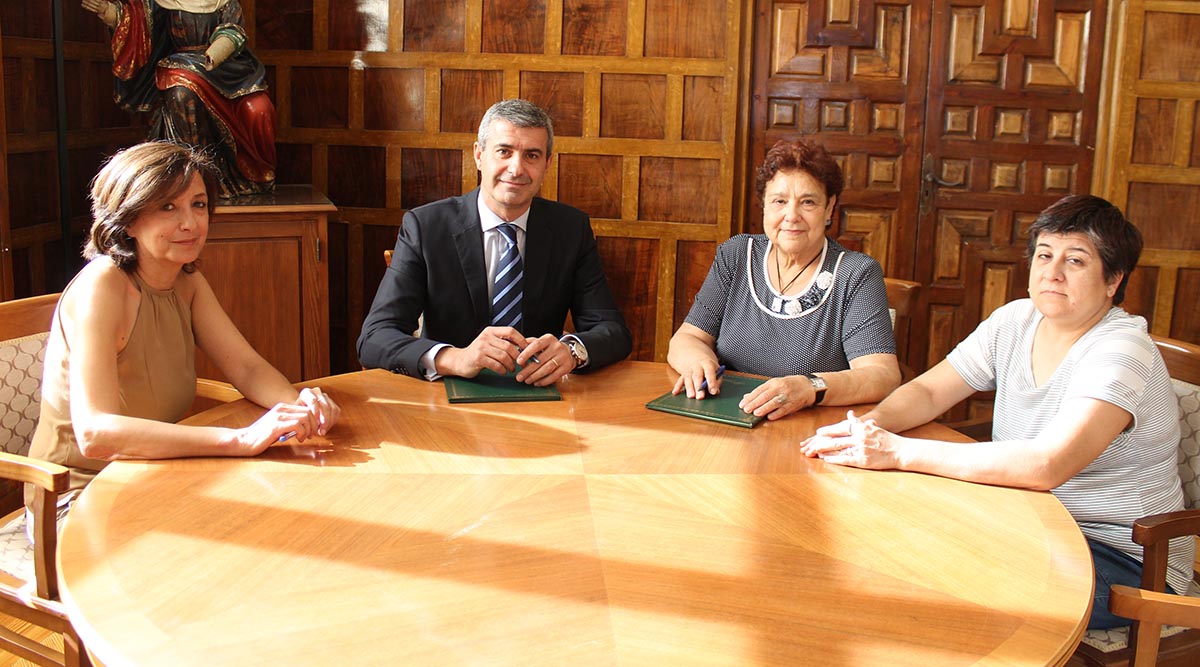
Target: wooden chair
pixel 31 593
pixel 902 302
pixel 902 297
pixel 28 576
pixel 1160 634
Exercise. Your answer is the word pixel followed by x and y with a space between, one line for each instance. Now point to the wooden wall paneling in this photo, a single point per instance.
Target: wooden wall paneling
pixel 702 108
pixel 676 190
pixel 695 260
pixel 594 27
pixel 633 106
pixel 295 163
pixel 14 117
pixel 561 94
pixel 32 166
pixel 592 183
pixel 1148 155
pixel 694 29
pixel 428 174
pixel 95 129
pixel 513 26
pixel 33 20
pixel 472 92
pixel 357 176
pixel 280 24
pixel 355 27
pixel 320 97
pixel 1186 319
pixel 435 25
pixel 631 266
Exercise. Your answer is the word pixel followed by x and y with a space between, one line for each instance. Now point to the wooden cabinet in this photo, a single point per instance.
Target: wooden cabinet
pixel 266 261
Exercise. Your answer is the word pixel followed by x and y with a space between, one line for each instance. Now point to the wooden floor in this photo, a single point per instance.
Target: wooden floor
pixel 34 632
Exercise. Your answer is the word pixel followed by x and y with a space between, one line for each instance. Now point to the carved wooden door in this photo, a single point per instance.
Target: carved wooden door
pixel 955 121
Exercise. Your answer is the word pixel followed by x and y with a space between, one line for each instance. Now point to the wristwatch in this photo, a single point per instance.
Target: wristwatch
pixel 818 385
pixel 578 351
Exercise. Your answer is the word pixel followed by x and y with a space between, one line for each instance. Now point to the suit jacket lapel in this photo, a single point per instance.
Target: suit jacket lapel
pixel 539 243
pixel 468 241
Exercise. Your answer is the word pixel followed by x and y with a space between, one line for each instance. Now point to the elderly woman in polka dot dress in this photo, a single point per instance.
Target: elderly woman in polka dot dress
pixel 791 304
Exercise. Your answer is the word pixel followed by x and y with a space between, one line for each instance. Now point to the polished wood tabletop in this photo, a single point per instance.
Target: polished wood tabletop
pixel 589 531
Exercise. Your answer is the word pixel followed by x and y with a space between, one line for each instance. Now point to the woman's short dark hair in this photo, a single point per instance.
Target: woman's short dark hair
pixel 800 155
pixel 1116 239
pixel 133 181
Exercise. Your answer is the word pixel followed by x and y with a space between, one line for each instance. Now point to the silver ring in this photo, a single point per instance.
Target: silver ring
pixel 780 399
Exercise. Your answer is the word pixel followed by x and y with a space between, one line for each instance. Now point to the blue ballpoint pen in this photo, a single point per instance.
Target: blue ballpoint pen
pixel 704 385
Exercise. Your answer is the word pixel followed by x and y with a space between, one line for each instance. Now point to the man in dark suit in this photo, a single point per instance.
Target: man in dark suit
pixel 495 272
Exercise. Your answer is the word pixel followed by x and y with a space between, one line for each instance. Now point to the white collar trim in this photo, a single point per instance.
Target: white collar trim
pixel 783 316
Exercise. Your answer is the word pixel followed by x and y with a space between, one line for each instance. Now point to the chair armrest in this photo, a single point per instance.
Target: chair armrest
pixel 50 480
pixel 1159 527
pixel 49 476
pixel 217 391
pixel 1152 607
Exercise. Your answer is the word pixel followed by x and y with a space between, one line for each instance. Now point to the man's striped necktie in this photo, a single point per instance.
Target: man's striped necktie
pixel 509 283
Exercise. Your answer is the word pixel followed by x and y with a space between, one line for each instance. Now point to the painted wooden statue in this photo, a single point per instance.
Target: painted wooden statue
pixel 187 62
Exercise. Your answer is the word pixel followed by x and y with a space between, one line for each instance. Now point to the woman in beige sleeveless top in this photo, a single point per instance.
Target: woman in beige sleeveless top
pixel 119 364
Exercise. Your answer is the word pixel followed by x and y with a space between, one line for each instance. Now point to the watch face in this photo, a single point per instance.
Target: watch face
pixel 579 351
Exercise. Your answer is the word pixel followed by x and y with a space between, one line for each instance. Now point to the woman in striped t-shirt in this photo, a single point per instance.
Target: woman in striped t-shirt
pixel 1084 405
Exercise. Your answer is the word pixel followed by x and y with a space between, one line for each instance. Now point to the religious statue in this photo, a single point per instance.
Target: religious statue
pixel 187 62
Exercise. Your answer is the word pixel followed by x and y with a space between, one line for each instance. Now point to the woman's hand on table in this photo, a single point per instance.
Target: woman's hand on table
pixel 281 422
pixel 779 397
pixel 322 408
pixel 855 442
pixel 696 375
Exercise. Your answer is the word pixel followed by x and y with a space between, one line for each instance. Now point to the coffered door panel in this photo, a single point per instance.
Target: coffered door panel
pixel 1010 128
pixel 850 74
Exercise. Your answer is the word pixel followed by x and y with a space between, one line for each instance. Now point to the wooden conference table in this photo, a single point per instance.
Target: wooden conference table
pixel 589 531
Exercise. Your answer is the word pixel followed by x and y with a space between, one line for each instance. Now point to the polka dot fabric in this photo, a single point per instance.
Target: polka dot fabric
pixel 841 315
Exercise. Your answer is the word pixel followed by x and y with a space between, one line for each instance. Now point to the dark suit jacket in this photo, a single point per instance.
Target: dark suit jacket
pixel 438 269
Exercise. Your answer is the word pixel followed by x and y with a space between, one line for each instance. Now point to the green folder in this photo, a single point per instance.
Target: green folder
pixel 720 408
pixel 490 387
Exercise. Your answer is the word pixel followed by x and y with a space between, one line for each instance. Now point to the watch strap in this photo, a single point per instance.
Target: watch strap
pixel 819 387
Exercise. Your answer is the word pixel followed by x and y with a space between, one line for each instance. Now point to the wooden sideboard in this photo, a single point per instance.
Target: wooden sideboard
pixel 267 261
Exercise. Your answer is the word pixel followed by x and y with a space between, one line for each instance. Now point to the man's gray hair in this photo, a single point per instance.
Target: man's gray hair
pixel 521 113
